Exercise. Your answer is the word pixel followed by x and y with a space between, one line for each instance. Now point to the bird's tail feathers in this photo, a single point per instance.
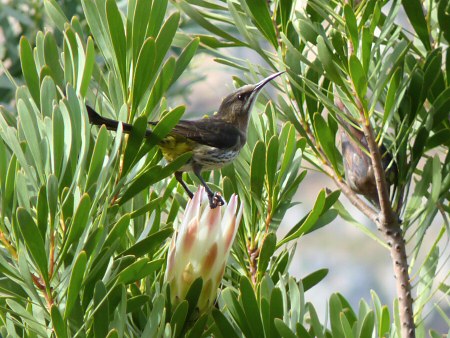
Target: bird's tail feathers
pixel 98 120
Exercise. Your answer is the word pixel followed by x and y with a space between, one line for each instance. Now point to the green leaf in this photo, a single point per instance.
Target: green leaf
pixel 366 48
pixel 384 322
pixel 345 325
pixel 113 334
pixel 267 250
pixel 165 125
pixel 138 133
pixel 185 58
pixel 153 175
pixel 335 316
pixel 276 309
pixel 165 37
pixel 351 24
pixel 272 161
pixel 29 70
pixel 223 325
pixel 327 140
pixel 161 85
pixel 97 159
pixel 358 76
pixel 179 317
pixel 98 28
pixel 55 12
pixel 236 311
pixel 301 331
pixel 33 241
pixel 57 155
pixel 31 131
pixel 193 295
pixel 283 329
pixel 414 11
pixel 313 279
pixel 79 222
pixel 137 302
pixel 52 197
pixel 250 306
pixel 117 34
pixel 149 244
pixel 305 224
pixel 48 96
pixel 83 84
pixel 368 325
pixel 318 330
pixel 199 327
pixel 52 57
pixel 443 15
pixel 101 314
pixel 326 58
pixel 138 270
pixel 139 18
pixel 144 73
pixel 118 231
pixel 261 15
pixel 156 17
pixel 42 211
pixel 59 325
pixel 392 94
pixel 76 278
pixel 257 171
pixel 200 19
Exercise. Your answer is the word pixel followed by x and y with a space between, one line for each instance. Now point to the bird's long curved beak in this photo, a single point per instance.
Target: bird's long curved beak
pixel 263 82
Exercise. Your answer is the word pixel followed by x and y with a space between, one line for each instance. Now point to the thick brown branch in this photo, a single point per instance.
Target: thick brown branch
pixel 389 225
pixel 396 242
pixel 387 215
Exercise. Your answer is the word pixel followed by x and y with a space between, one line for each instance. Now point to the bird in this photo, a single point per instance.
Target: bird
pixel 214 140
pixel 358 169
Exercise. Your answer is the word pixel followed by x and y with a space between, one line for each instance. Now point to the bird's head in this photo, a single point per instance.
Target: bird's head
pixel 236 107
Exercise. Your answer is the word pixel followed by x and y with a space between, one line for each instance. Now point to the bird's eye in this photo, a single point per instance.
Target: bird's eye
pixel 240 97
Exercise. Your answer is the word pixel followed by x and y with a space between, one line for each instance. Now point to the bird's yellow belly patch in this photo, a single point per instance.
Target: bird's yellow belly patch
pixel 173 147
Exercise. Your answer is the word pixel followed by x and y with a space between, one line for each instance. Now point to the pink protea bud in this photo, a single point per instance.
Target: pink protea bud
pixel 201 248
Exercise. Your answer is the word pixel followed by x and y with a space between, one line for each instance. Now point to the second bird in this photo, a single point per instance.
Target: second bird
pixel 214 141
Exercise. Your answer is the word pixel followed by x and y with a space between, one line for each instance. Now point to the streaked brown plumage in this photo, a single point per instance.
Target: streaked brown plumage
pixel 358 167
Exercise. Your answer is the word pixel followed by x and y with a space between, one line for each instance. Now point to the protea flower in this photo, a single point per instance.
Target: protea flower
pixel 201 248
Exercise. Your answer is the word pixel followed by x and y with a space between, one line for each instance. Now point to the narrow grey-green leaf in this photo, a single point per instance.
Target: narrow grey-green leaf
pixel 359 78
pixel 117 34
pixel 55 12
pixel 97 158
pixel 144 72
pixel 149 244
pixel 414 11
pixel 257 170
pixel 327 141
pixel 59 325
pixel 79 221
pixel 165 37
pixel 262 17
pixel 88 67
pixel 185 57
pixel 352 27
pixel 304 225
pixel 76 279
pixel 33 241
pixel 250 306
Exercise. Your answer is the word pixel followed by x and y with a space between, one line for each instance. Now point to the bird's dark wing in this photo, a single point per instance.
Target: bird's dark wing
pixel 209 131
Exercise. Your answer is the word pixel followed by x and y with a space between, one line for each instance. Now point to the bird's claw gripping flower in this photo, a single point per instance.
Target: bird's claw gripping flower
pixel 201 248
